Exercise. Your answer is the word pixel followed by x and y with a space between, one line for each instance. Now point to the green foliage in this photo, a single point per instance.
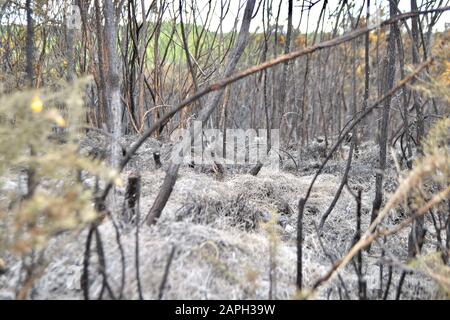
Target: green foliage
pixel 40 133
pixel 173 44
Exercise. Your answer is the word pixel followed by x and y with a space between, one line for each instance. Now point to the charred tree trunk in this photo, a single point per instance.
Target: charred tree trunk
pixel 388 85
pixel 102 108
pixel 366 67
pixel 29 44
pixel 31 179
pixel 70 29
pixel 113 83
pixel 415 59
pixel 132 198
pixel 287 49
pixel 404 101
pixel 416 236
pixel 255 170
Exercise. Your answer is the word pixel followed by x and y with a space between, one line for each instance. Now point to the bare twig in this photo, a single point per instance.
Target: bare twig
pixel 166 274
pixel 301 207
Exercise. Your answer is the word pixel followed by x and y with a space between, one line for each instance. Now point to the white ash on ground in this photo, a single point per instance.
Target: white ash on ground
pixel 220 231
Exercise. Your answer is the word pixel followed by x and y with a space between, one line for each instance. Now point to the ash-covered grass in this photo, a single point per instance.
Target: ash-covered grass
pixel 222 234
